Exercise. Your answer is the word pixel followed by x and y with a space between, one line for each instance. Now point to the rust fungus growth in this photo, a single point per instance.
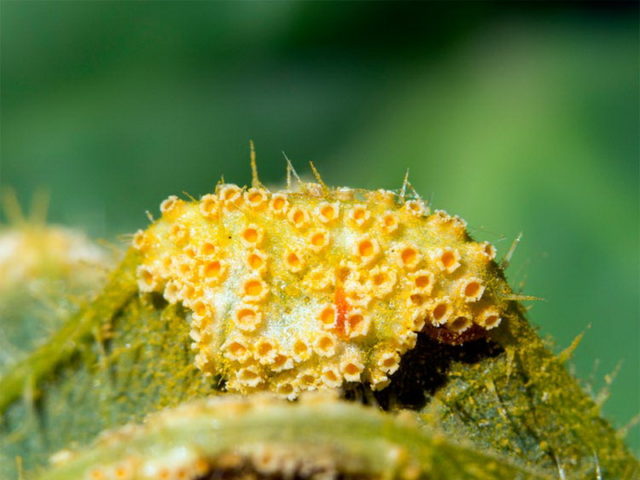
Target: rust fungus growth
pixel 303 289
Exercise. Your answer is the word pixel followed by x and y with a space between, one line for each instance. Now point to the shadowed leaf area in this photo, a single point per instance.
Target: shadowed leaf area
pixel 250 474
pixel 422 372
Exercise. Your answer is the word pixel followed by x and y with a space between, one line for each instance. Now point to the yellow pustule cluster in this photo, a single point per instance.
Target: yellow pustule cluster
pixel 294 291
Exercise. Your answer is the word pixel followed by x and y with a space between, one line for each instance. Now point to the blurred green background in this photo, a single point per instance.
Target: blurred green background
pixel 519 117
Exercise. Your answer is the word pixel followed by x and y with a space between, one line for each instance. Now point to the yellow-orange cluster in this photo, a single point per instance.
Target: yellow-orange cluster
pixel 294 291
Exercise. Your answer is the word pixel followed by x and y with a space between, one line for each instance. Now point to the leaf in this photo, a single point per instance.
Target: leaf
pixel 504 406
pixel 317 436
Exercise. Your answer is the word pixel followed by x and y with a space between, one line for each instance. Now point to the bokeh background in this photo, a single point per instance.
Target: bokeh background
pixel 520 117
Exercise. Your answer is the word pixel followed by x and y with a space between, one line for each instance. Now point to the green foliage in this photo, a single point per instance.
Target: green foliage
pixel 521 117
pixel 124 356
pixel 114 361
pixel 351 440
pixel 524 122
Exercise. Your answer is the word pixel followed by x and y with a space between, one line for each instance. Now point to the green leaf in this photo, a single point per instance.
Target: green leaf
pixel 124 356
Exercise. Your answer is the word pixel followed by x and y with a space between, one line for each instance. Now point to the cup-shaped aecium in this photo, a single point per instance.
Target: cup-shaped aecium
pixel 300 290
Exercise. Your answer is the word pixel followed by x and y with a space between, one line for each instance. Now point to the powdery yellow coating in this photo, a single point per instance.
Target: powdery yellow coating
pixel 304 290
